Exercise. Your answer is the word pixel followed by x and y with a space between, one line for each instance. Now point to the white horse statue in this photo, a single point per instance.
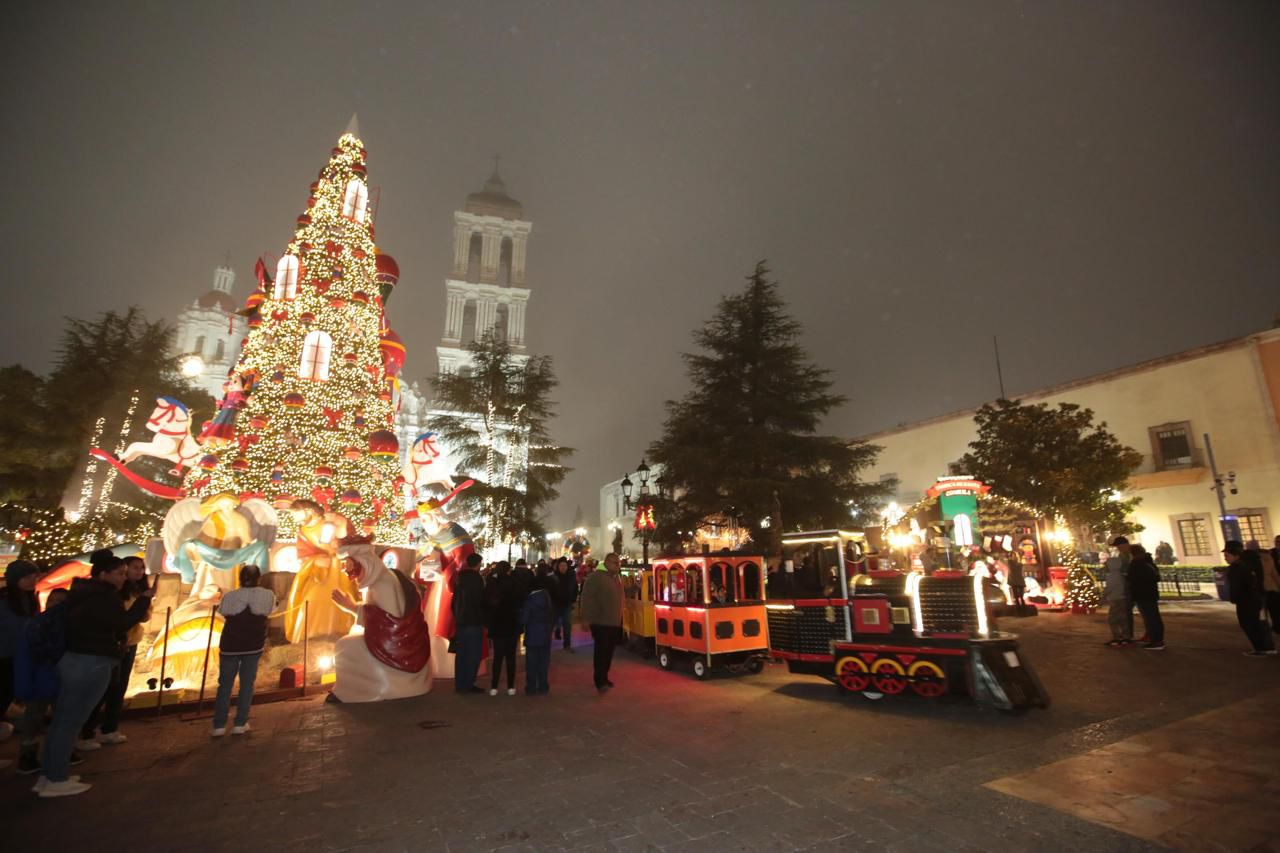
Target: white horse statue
pixel 426 465
pixel 171 422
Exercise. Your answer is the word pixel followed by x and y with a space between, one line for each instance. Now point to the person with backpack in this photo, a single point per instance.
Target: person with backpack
pixel 35 666
pixel 96 625
pixel 537 615
pixel 1144 589
pixel 18 606
pixel 1244 588
pixel 244 636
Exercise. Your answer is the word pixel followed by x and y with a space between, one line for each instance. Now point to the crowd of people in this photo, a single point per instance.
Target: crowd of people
pixel 1132 580
pixel 500 605
pixel 69 664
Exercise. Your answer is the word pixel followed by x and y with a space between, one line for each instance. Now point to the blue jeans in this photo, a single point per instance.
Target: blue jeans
pixel 564 621
pixel 467 647
pixel 84 678
pixel 537 663
pixel 115 691
pixel 228 667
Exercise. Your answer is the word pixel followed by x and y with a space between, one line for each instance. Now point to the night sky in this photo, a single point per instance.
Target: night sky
pixel 1096 183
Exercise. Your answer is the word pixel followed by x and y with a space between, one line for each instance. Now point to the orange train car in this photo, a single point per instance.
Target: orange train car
pixel 711 610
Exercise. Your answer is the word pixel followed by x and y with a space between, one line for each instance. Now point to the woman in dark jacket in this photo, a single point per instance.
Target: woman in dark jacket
pixel 1144 589
pixel 96 624
pixel 503 595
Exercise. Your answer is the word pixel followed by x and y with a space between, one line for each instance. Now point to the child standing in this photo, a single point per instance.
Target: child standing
pixel 537 616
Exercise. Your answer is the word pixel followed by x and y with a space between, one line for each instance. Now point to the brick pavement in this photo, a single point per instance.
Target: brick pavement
pixel 663 762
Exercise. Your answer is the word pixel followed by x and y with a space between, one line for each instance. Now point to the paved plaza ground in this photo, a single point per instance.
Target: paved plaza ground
pixel 1140 750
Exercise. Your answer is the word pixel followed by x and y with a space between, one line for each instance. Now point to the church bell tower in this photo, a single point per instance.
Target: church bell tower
pixel 486 288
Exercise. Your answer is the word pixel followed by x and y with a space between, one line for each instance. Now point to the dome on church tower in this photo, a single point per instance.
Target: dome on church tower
pixel 217 299
pixel 494 201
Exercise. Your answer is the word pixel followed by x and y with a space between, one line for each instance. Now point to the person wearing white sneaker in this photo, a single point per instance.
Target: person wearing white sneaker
pixel 96 623
pixel 244 636
pixel 42 782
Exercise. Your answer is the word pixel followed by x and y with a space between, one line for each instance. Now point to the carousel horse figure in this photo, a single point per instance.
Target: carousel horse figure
pixel 319 575
pixel 208 541
pixel 424 466
pixel 387 656
pixel 171 422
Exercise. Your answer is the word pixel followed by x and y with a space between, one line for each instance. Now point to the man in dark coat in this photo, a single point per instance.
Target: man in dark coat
pixel 468 617
pixel 1244 586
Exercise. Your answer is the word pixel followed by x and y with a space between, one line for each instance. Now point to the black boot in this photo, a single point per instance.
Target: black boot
pixel 29 759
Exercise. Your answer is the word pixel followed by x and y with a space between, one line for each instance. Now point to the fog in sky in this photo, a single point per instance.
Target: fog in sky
pixel 1095 182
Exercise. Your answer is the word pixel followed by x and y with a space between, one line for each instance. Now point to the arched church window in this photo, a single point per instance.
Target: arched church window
pixel 199 347
pixel 220 350
pixel 355 204
pixel 286 278
pixel 475 252
pixel 317 347
pixel 504 262
pixel 500 325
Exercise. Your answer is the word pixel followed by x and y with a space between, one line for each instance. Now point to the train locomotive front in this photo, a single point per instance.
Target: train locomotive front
pixel 883 633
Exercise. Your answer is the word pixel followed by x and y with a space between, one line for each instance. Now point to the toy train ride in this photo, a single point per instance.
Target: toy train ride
pixel 834 615
pixel 882 633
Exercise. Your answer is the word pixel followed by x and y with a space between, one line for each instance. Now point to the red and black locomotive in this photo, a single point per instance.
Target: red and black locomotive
pixel 883 633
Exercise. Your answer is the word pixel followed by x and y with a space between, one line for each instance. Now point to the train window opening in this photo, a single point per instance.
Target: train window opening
pixel 675 584
pixel 722 583
pixel 663 591
pixel 693 586
pixel 829 567
pixel 751 581
pixel 648 583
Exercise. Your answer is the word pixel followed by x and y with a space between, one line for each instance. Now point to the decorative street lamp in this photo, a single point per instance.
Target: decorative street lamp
pixel 644 522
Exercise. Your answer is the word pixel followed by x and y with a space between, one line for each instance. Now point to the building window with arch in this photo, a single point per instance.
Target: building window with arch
pixel 316 349
pixel 199 347
pixel 355 204
pixel 505 252
pixel 286 278
pixel 475 255
pixel 219 350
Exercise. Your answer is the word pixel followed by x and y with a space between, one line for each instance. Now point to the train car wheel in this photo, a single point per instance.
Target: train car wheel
pixel 700 669
pixel 888 677
pixel 755 666
pixel 664 658
pixel 928 679
pixel 851 675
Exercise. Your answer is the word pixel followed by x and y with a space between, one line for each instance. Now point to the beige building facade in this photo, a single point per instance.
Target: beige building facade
pixel 1163 408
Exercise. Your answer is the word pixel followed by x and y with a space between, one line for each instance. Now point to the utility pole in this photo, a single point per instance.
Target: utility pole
pixel 995 342
pixel 1229 523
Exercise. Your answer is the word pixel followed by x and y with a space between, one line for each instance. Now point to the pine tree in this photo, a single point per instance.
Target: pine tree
pixel 494 422
pixel 318 369
pixel 743 442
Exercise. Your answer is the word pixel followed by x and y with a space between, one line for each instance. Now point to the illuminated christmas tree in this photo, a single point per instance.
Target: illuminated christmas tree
pixel 309 408
pixel 1082 590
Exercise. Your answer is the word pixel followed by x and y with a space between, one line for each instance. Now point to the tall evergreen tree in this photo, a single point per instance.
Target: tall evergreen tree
pixel 101 363
pixel 494 421
pixel 744 441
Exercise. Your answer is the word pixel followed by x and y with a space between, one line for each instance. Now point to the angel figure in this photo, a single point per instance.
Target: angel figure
pixel 208 541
